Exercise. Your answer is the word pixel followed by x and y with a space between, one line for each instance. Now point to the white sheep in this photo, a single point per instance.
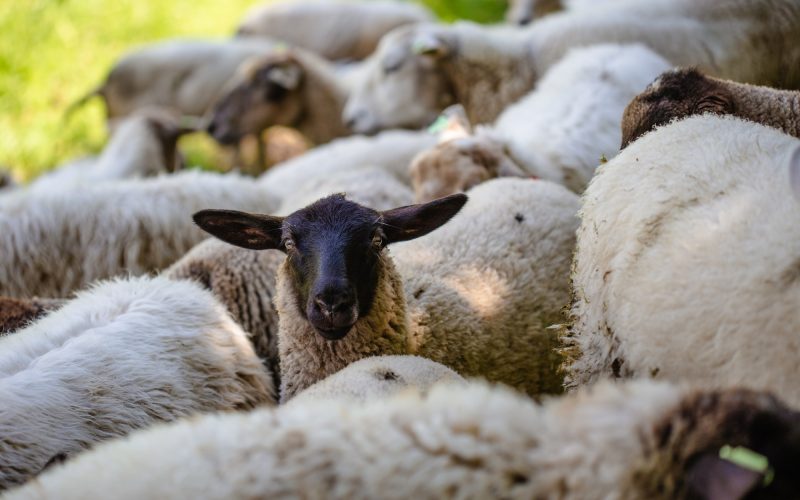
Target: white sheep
pixel 58 240
pixel 392 150
pixel 142 144
pixel 379 377
pixel 418 70
pixel 687 260
pixel 121 356
pixel 333 29
pixel 184 75
pixel 684 92
pixel 558 132
pixel 638 440
pixel 481 292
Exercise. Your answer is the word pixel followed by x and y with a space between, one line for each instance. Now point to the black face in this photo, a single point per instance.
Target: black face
pixel 333 250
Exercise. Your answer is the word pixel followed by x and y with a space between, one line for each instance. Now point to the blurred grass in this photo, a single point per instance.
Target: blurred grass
pixel 53 51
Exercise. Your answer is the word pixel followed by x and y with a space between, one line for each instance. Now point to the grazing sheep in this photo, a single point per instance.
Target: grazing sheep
pixel 633 441
pixel 123 355
pixel 289 87
pixel 687 265
pixel 558 132
pixel 332 29
pixel 479 301
pixel 686 91
pixel 143 144
pixel 16 313
pixel 55 241
pixel 379 377
pixel 184 75
pixel 418 70
pixel 392 150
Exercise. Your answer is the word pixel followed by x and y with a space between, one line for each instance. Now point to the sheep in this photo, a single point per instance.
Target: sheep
pixel 55 241
pixel 479 302
pixel 639 440
pixel 184 75
pixel 123 355
pixel 391 150
pixel 16 313
pixel 143 144
pixel 557 132
pixel 686 265
pixel 686 91
pixel 379 377
pixel 425 68
pixel 244 281
pixel 289 87
pixel 334 30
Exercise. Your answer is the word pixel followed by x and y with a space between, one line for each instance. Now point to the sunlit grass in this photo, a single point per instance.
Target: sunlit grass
pixel 54 51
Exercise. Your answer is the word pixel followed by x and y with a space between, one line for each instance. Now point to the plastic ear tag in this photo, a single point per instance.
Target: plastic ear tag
pixel 438 125
pixel 748 459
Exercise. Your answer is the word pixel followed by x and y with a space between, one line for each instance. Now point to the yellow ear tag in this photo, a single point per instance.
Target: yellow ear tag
pixel 748 459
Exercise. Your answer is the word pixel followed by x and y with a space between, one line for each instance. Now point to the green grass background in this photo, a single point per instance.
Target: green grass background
pixel 53 51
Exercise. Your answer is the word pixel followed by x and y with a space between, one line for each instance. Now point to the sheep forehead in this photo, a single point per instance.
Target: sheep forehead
pixel 335 213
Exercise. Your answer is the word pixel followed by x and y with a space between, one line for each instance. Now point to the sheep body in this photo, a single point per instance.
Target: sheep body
pixel 616 441
pixel 55 241
pixel 121 356
pixel 419 70
pixel 379 377
pixel 688 244
pixel 185 75
pixel 333 29
pixel 474 295
pixel 558 132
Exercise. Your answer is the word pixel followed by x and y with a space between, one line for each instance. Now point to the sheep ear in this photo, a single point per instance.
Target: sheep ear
pixel 426 44
pixel 713 478
pixel 253 231
pixel 413 221
pixel 794 172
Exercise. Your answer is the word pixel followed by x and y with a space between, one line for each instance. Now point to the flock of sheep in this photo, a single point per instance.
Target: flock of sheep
pixel 595 204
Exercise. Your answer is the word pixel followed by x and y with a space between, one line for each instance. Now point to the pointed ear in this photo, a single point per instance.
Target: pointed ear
pixel 427 44
pixel 413 221
pixel 253 231
pixel 714 478
pixel 794 172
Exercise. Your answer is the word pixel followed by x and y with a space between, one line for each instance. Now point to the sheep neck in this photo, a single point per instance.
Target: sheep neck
pixel 776 108
pixel 306 357
pixel 486 74
pixel 323 103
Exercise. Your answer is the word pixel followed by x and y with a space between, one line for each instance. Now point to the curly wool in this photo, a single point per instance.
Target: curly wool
pixel 121 356
pixel 686 266
pixel 458 442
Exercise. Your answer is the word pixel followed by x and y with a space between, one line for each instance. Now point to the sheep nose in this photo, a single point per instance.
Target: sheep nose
pixel 356 121
pixel 332 303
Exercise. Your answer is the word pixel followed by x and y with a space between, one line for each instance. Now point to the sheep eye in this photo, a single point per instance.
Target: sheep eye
pixel 288 244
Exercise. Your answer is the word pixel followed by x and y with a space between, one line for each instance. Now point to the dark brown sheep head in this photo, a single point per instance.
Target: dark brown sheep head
pixel 675 94
pixel 267 94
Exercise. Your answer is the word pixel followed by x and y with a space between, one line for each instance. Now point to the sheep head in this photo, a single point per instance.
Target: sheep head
pixel 674 95
pixel 264 93
pixel 403 86
pixel 334 248
pixel 704 434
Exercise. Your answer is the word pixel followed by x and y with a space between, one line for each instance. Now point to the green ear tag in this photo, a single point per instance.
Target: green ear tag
pixel 748 459
pixel 438 125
